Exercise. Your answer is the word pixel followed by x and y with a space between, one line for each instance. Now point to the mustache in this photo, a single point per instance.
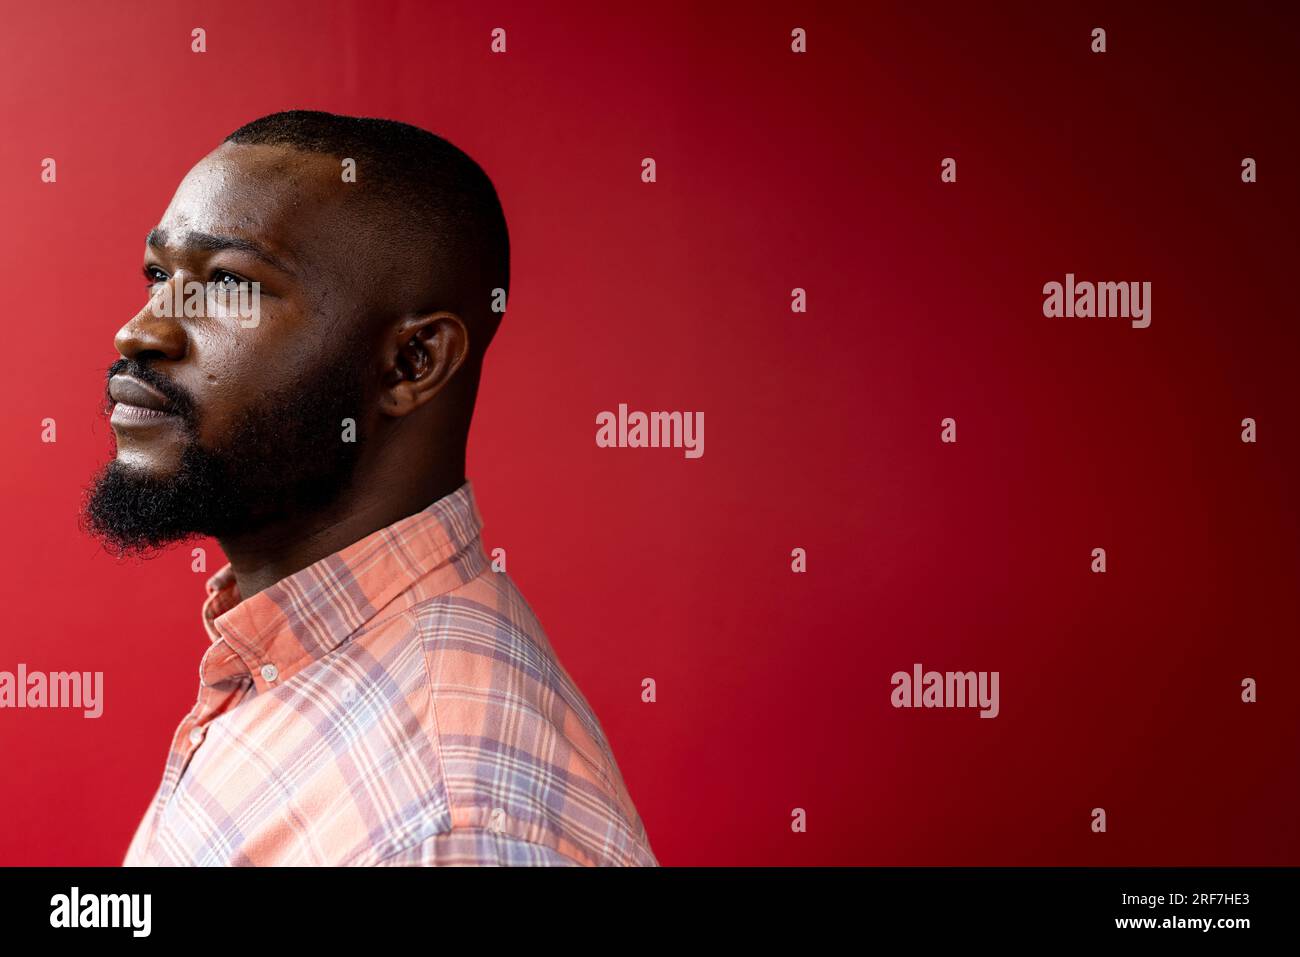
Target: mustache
pixel 178 399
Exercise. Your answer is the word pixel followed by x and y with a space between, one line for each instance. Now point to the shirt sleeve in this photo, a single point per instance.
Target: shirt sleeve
pixel 476 847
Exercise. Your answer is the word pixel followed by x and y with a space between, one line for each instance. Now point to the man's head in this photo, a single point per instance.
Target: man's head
pixel 382 260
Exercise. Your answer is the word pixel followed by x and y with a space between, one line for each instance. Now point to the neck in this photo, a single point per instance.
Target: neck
pixel 275 550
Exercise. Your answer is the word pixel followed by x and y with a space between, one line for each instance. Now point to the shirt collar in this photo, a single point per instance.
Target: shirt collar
pixel 277 632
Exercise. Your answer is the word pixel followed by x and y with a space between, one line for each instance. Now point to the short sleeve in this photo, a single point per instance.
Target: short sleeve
pixel 476 847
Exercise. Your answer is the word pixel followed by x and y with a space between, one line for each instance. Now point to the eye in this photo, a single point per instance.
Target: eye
pixel 153 276
pixel 221 275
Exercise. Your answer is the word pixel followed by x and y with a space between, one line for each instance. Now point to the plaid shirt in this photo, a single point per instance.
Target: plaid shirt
pixel 396 703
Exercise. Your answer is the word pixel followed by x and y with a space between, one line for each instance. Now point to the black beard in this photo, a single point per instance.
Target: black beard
pixel 283 457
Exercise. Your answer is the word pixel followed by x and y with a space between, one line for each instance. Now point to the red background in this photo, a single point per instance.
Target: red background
pixel 775 170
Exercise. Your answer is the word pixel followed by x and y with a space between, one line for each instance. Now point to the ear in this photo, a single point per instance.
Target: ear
pixel 421 355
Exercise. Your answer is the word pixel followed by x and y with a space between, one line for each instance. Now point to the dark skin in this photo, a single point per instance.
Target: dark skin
pixel 334 262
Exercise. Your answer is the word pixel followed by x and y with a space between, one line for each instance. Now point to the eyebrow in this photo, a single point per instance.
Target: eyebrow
pixel 206 242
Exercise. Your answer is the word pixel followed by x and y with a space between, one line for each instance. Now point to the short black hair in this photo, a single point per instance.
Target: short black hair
pixel 418 171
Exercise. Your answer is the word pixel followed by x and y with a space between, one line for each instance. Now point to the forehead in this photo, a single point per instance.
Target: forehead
pixel 289 202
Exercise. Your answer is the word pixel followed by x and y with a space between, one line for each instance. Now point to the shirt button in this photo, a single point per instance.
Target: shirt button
pixel 270 672
pixel 196 735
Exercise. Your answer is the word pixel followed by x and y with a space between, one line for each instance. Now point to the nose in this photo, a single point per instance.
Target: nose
pixel 149 332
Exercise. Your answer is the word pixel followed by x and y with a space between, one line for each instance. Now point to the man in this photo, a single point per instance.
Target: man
pixel 373 692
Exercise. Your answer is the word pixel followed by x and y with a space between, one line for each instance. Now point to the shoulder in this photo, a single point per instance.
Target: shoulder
pixel 526 765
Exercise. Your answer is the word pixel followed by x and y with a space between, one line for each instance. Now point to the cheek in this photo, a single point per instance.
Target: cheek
pixel 233 370
pixel 227 370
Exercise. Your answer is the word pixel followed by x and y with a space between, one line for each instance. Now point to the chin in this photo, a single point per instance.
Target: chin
pixel 152 464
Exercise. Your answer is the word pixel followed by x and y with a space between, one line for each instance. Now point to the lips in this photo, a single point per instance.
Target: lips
pixel 132 392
